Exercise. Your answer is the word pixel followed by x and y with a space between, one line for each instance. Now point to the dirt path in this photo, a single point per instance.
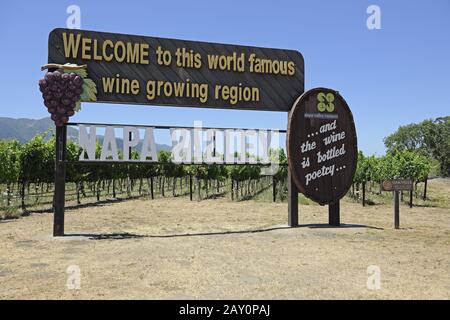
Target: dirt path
pixel 174 248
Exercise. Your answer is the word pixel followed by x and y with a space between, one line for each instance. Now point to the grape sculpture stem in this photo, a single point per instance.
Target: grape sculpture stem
pixel 62 66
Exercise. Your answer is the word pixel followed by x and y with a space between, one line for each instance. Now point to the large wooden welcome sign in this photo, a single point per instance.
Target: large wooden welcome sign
pixel 158 71
pixel 322 148
pixel 88 66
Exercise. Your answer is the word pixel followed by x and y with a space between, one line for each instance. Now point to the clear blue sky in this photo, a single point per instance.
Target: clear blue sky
pixel 390 77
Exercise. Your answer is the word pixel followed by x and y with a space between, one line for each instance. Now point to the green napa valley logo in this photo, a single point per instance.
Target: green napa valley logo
pixel 325 102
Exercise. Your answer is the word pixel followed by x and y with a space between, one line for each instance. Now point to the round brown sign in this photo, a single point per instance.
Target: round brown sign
pixel 387 185
pixel 321 145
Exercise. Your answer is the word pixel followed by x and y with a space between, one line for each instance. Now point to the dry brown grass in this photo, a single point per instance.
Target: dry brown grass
pixel 174 248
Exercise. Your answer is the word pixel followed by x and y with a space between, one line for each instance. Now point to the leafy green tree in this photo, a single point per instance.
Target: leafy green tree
pixel 437 139
pixel 408 137
pixel 429 138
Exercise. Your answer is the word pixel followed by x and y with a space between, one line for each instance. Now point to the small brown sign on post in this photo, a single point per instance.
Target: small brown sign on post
pixel 397 185
pixel 322 147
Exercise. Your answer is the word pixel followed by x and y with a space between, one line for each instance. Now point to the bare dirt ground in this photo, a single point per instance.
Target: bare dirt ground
pixel 218 249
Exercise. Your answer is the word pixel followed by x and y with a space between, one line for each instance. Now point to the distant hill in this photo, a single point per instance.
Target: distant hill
pixel 24 129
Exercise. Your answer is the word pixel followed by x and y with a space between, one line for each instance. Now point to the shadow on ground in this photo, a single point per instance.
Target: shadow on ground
pixel 343 225
pixel 126 235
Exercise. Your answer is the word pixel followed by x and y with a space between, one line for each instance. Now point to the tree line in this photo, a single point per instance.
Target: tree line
pixel 429 138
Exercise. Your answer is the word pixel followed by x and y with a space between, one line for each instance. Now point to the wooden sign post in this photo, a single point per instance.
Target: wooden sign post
pixel 60 181
pixel 397 185
pixel 322 148
pixel 396 210
pixel 334 213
